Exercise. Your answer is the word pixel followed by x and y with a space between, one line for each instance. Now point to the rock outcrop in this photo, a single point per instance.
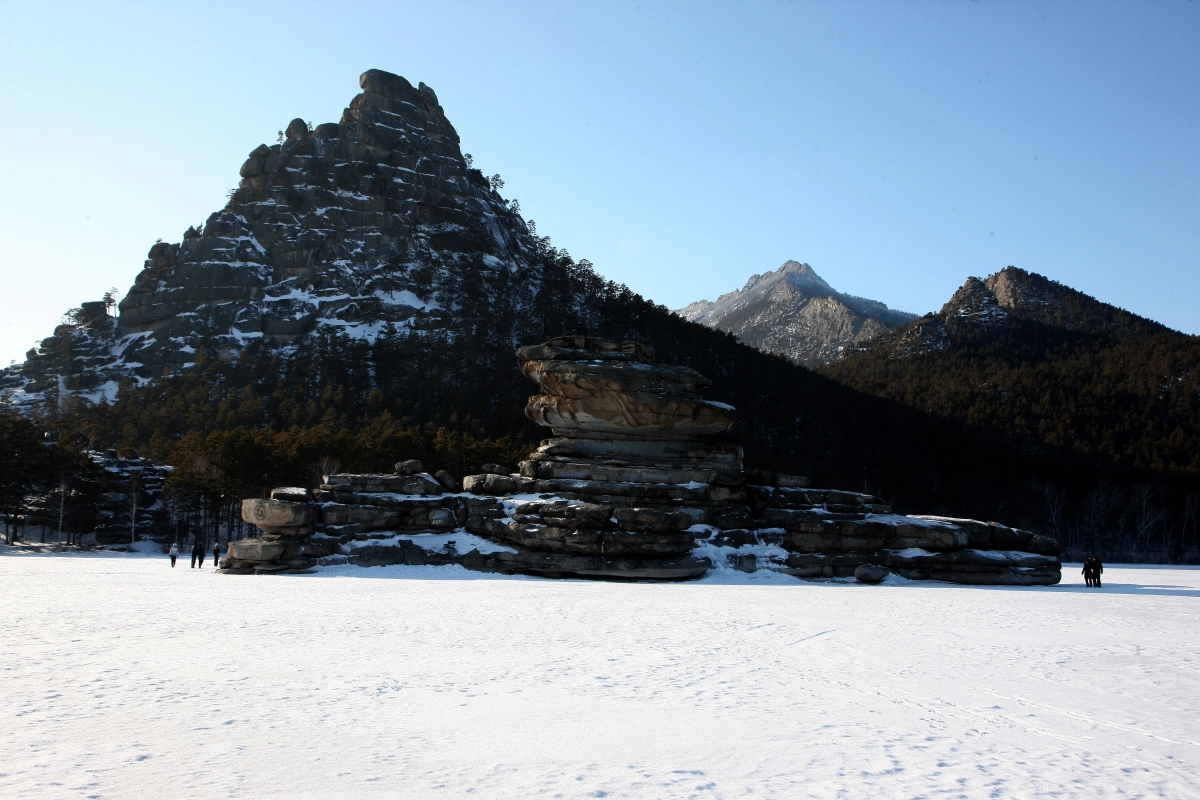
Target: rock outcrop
pixel 346 227
pixel 632 486
pixel 983 309
pixel 794 313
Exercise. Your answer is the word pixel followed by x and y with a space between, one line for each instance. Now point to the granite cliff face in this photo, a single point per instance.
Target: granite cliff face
pixel 794 313
pixel 352 225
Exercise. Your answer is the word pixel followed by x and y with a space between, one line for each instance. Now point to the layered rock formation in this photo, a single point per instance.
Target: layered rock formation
pixel 632 487
pixel 794 313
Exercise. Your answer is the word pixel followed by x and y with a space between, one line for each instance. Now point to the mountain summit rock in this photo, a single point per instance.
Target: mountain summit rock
pixel 353 225
pixel 794 313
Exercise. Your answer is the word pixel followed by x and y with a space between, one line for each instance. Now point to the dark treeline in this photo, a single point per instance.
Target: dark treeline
pixel 453 396
pixel 1110 399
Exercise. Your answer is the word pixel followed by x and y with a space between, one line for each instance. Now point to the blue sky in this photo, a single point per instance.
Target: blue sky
pixel 681 147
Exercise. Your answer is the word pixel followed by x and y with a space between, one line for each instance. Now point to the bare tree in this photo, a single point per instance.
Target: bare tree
pixel 1055 498
pixel 326 465
pixel 1093 521
pixel 133 498
pixel 1147 516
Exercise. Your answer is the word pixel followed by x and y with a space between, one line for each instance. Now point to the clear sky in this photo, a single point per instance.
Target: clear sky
pixel 681 147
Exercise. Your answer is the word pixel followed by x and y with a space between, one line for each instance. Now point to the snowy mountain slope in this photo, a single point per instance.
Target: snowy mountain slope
pixel 793 312
pixel 375 219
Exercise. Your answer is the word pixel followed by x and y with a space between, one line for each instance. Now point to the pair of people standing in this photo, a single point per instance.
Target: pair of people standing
pixel 1091 571
pixel 197 554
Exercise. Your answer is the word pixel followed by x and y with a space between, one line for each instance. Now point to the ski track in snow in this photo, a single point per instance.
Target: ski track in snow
pixel 124 678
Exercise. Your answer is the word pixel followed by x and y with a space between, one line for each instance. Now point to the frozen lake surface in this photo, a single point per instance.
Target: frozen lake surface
pixel 122 677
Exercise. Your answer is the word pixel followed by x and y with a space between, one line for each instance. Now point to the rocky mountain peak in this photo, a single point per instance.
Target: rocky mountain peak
pixel 1034 297
pixel 976 302
pixel 794 312
pixel 799 276
pixel 355 225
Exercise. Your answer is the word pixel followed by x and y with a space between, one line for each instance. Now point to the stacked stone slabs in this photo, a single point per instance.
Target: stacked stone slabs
pixel 832 534
pixel 628 483
pixel 628 473
pixel 286 543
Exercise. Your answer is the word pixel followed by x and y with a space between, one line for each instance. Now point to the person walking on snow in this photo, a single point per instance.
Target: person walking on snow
pixel 201 554
pixel 1097 568
pixel 196 553
pixel 174 552
pixel 216 555
pixel 1087 572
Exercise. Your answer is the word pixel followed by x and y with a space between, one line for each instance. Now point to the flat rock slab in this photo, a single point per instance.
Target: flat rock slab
pixel 583 378
pixel 419 484
pixel 595 471
pixel 637 414
pixel 277 513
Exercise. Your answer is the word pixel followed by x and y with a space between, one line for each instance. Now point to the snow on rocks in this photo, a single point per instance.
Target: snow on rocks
pixel 629 489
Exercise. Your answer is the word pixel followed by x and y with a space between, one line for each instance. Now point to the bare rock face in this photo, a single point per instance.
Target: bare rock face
pixel 794 313
pixel 360 222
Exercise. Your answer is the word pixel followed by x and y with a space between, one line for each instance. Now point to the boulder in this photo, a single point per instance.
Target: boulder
pixel 448 481
pixel 386 84
pixel 277 513
pixel 498 484
pixel 870 573
pixel 1043 545
pixel 255 550
pixel 296 129
pixel 496 469
pixel 410 467
pixel 251 168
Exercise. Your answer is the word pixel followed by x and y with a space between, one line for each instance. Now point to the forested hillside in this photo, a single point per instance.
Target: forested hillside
pixel 1037 365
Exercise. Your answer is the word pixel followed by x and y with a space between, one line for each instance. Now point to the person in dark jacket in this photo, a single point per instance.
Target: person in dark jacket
pixel 1087 571
pixel 216 555
pixel 1097 568
pixel 196 553
pixel 201 555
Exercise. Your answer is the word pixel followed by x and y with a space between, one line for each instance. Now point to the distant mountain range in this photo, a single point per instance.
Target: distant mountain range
pixel 794 313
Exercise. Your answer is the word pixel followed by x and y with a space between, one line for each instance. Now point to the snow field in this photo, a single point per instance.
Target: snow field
pixel 124 678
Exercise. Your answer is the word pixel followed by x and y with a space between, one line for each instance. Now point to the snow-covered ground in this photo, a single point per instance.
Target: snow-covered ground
pixel 121 677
